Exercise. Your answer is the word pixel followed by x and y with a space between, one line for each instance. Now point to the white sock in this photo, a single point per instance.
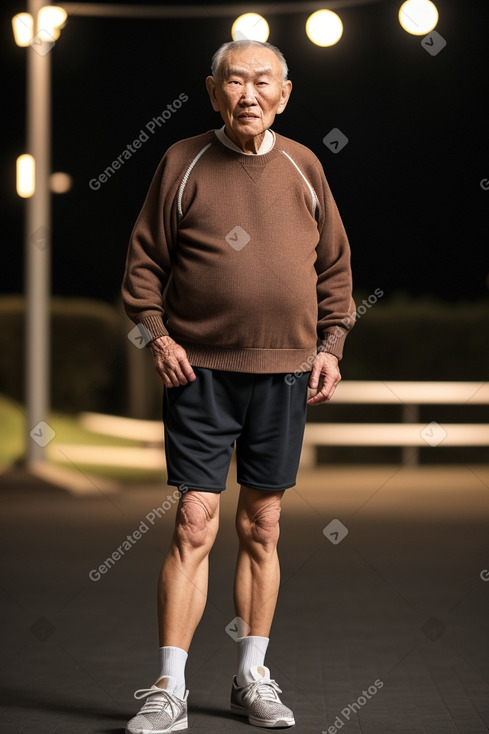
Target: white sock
pixel 251 651
pixel 172 663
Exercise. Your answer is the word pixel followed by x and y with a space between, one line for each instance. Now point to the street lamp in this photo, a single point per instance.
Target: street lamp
pixel 38 29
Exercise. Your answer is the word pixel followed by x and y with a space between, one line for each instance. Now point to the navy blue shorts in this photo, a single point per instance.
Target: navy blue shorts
pixel 262 413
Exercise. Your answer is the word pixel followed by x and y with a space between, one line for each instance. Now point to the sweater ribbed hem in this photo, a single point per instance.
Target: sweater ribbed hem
pixel 237 359
pixel 253 361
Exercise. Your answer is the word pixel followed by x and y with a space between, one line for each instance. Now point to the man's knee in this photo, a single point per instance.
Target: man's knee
pixel 259 524
pixel 197 520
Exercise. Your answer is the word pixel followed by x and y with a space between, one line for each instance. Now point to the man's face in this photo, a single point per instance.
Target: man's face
pixel 249 92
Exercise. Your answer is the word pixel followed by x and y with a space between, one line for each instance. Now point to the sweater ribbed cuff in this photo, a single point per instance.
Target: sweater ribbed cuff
pixel 333 342
pixel 154 328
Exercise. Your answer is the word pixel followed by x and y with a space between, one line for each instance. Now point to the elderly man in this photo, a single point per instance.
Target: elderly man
pixel 238 272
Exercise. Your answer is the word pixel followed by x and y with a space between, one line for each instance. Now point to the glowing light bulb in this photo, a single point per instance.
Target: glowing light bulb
pixel 324 28
pixel 418 16
pixel 26 176
pixel 250 27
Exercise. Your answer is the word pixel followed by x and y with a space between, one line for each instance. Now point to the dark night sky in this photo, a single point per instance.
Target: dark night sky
pixel 407 184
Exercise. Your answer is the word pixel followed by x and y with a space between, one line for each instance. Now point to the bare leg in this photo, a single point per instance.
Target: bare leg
pixel 182 587
pixel 257 577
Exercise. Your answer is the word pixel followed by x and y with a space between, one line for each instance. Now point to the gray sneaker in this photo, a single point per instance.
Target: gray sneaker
pixel 260 702
pixel 163 712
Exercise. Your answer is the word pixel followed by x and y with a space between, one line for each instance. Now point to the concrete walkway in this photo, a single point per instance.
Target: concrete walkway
pixel 382 623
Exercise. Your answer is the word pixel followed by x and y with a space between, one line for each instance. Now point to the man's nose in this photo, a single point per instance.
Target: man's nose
pixel 248 95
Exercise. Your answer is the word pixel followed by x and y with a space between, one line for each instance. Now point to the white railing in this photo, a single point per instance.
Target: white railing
pixel 409 432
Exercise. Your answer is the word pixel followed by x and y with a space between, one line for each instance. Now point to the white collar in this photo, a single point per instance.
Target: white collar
pixel 266 146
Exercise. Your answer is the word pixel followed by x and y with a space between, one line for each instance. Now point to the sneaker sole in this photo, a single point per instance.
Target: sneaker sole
pixel 266 723
pixel 271 724
pixel 178 727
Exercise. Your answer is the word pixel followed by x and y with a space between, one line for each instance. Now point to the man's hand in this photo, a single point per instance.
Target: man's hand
pixel 325 375
pixel 171 363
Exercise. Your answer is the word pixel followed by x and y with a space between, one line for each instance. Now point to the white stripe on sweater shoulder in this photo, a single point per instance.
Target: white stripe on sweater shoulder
pixel 313 193
pixel 185 178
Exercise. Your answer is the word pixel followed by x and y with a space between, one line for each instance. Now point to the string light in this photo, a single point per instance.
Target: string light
pixel 324 28
pixel 251 27
pixel 418 16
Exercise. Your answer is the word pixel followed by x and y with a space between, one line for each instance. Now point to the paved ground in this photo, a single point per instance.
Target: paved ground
pixel 396 608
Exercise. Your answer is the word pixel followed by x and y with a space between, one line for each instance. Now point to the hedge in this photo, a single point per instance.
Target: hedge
pixel 87 357
pixel 405 338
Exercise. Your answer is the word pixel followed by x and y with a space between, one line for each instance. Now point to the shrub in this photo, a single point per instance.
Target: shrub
pixel 87 358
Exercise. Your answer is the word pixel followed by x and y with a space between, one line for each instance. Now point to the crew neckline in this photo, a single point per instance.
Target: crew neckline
pixel 266 146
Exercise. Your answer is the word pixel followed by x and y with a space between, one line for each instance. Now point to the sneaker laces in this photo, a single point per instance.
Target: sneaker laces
pixel 158 701
pixel 267 690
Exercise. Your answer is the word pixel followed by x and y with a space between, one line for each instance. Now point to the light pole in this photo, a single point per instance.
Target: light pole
pixel 38 30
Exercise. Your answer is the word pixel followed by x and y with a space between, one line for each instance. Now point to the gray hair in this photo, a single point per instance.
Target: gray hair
pixel 218 58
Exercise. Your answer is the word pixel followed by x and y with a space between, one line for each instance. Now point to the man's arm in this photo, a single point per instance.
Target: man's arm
pixel 336 308
pixel 148 267
pixel 148 261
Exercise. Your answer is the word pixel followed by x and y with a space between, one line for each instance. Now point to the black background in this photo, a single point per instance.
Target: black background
pixel 407 184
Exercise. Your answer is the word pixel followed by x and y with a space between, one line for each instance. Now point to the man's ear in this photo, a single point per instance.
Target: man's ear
pixel 286 91
pixel 210 84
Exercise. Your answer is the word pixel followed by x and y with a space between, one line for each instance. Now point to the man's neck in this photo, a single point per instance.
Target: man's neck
pixel 247 145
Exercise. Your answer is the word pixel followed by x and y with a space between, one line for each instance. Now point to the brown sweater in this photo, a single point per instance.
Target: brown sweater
pixel 241 259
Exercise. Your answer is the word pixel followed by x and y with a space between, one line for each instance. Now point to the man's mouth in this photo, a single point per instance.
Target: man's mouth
pixel 247 116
